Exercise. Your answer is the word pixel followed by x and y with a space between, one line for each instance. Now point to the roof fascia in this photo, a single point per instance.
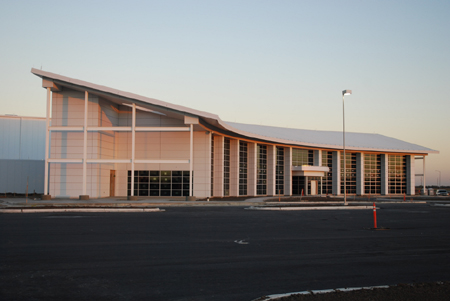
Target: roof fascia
pixel 220 126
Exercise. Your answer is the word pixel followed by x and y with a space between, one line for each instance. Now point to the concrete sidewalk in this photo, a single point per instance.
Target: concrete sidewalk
pixel 122 202
pixel 152 204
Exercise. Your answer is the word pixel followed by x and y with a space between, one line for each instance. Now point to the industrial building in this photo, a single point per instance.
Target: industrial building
pixel 105 142
pixel 22 154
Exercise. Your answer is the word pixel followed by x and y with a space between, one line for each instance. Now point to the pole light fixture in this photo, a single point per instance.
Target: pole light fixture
pixel 439 183
pixel 345 92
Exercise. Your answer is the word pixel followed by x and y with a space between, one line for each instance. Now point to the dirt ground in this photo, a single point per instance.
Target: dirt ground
pixel 412 292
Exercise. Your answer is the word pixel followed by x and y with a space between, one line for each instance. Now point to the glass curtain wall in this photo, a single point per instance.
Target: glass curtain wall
pixel 397 174
pixel 261 185
pixel 159 183
pixel 327 180
pixel 350 172
pixel 243 161
pixel 302 157
pixel 372 174
pixel 279 186
pixel 226 168
pixel 212 165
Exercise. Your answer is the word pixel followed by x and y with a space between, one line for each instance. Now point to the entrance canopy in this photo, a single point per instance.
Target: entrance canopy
pixel 311 171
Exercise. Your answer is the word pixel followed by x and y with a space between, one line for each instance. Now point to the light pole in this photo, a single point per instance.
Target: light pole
pixel 345 92
pixel 439 184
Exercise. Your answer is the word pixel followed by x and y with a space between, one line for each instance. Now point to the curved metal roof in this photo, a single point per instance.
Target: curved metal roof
pixel 332 139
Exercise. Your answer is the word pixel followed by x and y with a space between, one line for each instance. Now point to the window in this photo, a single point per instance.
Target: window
pixel 226 168
pixel 261 182
pixel 280 171
pixel 302 157
pixel 159 183
pixel 372 174
pixel 212 165
pixel 397 174
pixel 327 180
pixel 243 165
pixel 350 172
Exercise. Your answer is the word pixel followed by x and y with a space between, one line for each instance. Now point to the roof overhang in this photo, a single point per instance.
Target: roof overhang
pixel 207 120
pixel 308 170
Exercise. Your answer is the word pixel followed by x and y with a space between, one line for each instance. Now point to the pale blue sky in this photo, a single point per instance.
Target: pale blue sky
pixel 280 63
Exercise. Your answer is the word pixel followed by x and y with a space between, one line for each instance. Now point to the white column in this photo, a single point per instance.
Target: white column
pixel 210 166
pixel 47 125
pixel 318 162
pixel 133 145
pixel 360 174
pixel 384 174
pixel 86 96
pixel 234 167
pixel 218 165
pixel 425 191
pixel 271 170
pixel 336 172
pixel 321 185
pixel 410 175
pixel 305 187
pixel 317 158
pixel 288 171
pixel 252 168
pixel 191 157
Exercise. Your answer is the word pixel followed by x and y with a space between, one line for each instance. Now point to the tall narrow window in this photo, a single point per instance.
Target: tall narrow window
pixel 397 174
pixel 261 184
pixel 212 165
pixel 280 171
pixel 372 174
pixel 350 172
pixel 243 161
pixel 327 180
pixel 226 167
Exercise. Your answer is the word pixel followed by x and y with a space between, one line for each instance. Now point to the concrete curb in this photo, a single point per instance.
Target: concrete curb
pixel 58 210
pixel 313 292
pixel 350 202
pixel 440 205
pixel 311 208
pixel 126 205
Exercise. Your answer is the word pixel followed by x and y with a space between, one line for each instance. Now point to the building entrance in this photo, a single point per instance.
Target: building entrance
pixel 298 185
pixel 306 185
pixel 112 182
pixel 314 187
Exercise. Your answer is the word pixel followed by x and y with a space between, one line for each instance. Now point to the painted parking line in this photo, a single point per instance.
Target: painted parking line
pixel 313 292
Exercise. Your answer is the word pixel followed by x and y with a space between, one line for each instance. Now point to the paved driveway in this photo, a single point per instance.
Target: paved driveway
pixel 218 253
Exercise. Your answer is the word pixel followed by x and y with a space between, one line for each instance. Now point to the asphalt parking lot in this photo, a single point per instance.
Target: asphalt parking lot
pixel 218 253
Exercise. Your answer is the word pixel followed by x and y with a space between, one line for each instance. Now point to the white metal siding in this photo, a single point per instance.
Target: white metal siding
pixel 22 138
pixel 14 173
pixel 22 154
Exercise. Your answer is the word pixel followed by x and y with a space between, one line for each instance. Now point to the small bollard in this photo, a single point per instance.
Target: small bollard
pixel 374 216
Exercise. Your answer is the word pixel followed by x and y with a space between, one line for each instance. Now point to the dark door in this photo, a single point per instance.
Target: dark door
pixel 112 182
